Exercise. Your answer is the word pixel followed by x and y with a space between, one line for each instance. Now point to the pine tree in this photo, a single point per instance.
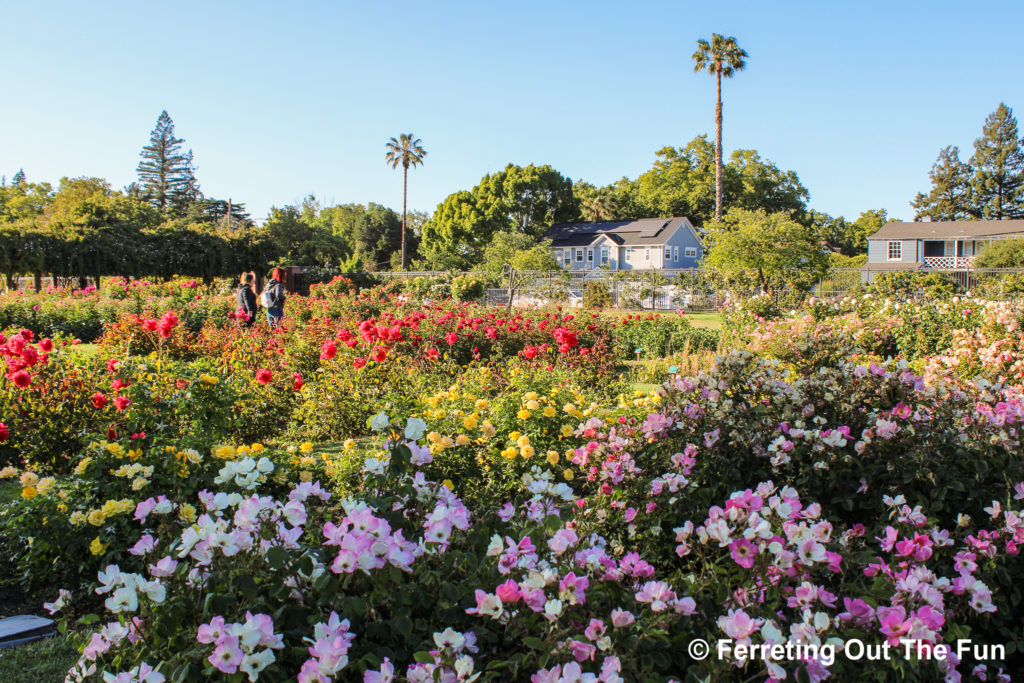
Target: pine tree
pixel 999 167
pixel 166 176
pixel 18 178
pixel 952 196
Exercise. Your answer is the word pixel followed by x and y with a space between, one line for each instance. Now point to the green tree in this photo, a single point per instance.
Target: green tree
pixel 1002 254
pixel 514 258
pixel 951 197
pixel 219 212
pixel 596 203
pixel 764 249
pixel 721 57
pixel 998 163
pixel 405 151
pixel 166 175
pixel 379 235
pixel 296 242
pixel 867 224
pixel 682 182
pixel 18 178
pixel 518 199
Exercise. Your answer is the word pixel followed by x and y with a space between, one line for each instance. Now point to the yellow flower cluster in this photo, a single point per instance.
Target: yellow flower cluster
pixel 208 380
pixel 98 516
pixel 8 472
pixel 226 452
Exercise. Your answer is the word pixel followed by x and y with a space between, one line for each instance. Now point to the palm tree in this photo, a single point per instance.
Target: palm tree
pixel 601 205
pixel 407 151
pixel 722 57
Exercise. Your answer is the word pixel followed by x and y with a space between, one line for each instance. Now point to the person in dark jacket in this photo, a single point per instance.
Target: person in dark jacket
pixel 245 298
pixel 273 297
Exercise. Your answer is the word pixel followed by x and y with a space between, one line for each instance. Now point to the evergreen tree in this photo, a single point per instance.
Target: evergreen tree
pixel 18 178
pixel 166 175
pixel 952 196
pixel 999 167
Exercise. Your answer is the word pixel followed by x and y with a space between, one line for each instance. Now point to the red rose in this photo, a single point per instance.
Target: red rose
pixel 380 353
pixel 297 381
pixel 328 350
pixel 358 362
pixel 46 345
pixel 530 352
pixel 29 356
pixel 451 338
pixel 149 324
pixel 4 433
pixel 21 379
pixel 121 402
pixel 112 365
pixel 119 384
pixel 263 376
pixel 99 399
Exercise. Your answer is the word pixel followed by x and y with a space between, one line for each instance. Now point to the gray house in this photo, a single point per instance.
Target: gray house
pixel 936 245
pixel 641 244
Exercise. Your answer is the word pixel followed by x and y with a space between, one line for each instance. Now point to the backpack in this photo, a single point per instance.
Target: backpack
pixel 267 298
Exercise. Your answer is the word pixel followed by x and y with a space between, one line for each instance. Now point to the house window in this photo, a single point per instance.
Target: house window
pixel 590 255
pixel 579 256
pixel 566 256
pixel 691 252
pixel 668 253
pixel 558 255
pixel 604 256
pixel 895 251
pixel 647 253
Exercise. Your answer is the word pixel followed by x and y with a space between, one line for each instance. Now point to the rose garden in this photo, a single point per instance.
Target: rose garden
pixel 395 487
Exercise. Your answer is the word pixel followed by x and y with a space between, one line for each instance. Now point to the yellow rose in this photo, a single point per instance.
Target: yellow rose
pixel 208 380
pixel 29 492
pixel 549 411
pixel 447 483
pixel 488 430
pixel 114 449
pixel 509 453
pixel 187 513
pixel 526 451
pixel 514 435
pixel 567 430
pixel 532 405
pixel 96 517
pixel 61 507
pixel 568 475
pixel 553 457
pixel 135 454
pixel 348 445
pixel 524 440
pixel 139 483
pixel 523 414
pixel 223 452
pixel 77 518
pixel 29 479
pixel 462 440
pixel 470 422
pixel 305 476
pixel 97 547
pixel 45 484
pixel 305 447
pixel 257 447
pixel 8 472
pixel 482 404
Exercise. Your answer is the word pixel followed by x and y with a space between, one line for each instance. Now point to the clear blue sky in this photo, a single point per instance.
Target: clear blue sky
pixel 279 99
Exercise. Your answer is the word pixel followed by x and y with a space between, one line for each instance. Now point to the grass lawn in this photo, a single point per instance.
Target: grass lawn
pixel 711 320
pixel 85 350
pixel 42 661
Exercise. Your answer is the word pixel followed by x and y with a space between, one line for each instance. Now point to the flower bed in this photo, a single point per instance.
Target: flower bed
pixel 359 495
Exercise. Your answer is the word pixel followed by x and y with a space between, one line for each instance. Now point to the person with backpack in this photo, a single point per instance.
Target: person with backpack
pixel 245 299
pixel 272 297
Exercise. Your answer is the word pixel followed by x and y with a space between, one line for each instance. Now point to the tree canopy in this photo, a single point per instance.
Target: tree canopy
pixel 990 185
pixel 771 249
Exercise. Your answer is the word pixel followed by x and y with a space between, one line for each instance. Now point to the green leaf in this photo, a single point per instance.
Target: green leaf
pixel 277 557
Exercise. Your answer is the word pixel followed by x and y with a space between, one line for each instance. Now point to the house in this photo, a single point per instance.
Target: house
pixel 935 245
pixel 641 244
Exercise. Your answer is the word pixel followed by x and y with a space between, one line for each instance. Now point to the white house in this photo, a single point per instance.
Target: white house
pixel 641 244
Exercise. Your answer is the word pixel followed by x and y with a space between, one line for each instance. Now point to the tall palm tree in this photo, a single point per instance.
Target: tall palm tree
pixel 722 57
pixel 407 151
